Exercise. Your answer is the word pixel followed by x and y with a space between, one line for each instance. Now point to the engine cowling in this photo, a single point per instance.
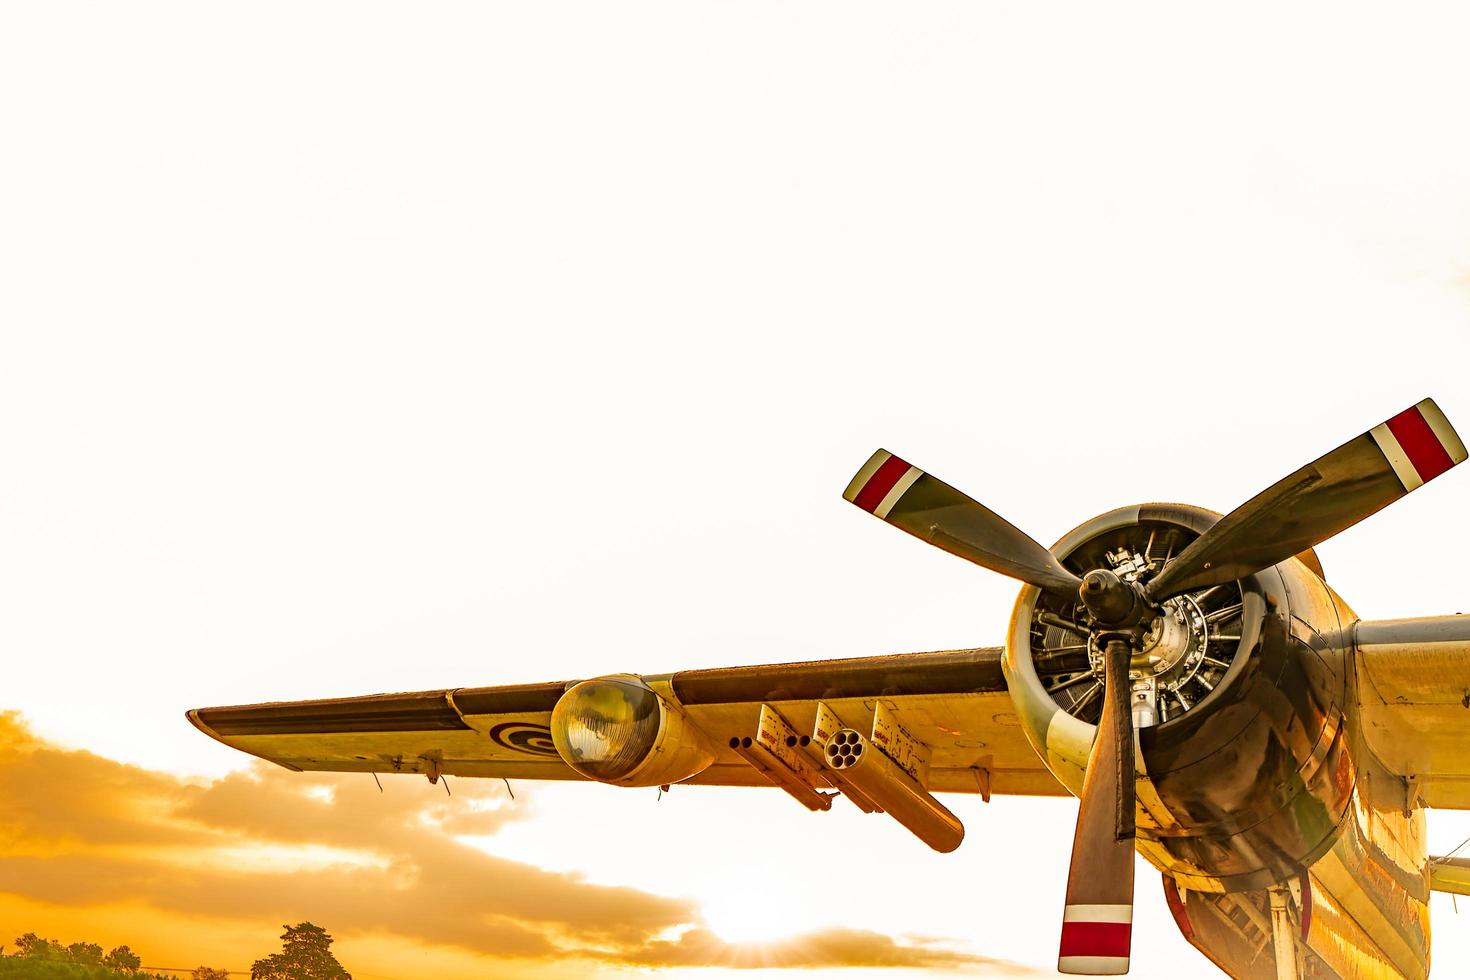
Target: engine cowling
pixel 1241 740
pixel 618 730
pixel 1192 654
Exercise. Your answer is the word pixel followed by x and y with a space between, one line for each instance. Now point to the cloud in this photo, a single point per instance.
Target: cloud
pixel 827 947
pixel 269 846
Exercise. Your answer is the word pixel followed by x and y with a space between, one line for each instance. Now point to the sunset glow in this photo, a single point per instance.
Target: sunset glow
pixel 118 850
pixel 358 348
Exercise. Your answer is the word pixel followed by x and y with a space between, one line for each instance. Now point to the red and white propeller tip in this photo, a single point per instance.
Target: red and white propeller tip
pixel 1419 443
pixel 880 483
pixel 1096 940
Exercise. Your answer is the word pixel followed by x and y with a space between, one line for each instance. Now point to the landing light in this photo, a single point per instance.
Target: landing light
pixel 606 728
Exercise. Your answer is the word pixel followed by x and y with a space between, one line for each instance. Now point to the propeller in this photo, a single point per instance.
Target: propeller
pixel 933 511
pixel 1097 922
pixel 1352 482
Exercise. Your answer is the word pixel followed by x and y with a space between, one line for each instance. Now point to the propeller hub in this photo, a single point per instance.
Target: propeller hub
pixel 1113 603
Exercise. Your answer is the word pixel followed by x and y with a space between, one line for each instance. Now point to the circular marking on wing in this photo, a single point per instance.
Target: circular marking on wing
pixel 520 736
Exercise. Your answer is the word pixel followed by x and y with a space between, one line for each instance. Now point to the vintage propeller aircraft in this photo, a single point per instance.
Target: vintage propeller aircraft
pixel 1191 677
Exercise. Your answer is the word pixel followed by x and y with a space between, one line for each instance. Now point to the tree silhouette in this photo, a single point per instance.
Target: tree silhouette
pixel 33 946
pixel 305 955
pixel 38 958
pixel 209 973
pixel 85 954
pixel 123 960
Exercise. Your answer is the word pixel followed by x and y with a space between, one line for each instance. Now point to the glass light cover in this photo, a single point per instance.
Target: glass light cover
pixel 605 728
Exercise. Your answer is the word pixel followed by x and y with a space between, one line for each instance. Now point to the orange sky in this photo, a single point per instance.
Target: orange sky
pixel 191 872
pixel 347 349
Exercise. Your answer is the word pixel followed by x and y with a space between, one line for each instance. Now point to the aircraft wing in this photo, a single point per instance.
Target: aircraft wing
pixel 1414 689
pixel 954 703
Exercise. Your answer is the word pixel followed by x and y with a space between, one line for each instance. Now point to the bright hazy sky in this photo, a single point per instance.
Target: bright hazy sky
pixel 361 347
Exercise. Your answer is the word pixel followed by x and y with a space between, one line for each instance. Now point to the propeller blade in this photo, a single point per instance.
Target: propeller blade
pixel 933 511
pixel 1354 481
pixel 1097 924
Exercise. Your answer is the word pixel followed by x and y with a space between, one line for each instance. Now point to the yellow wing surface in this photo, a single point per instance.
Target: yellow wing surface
pixel 1414 688
pixel 953 703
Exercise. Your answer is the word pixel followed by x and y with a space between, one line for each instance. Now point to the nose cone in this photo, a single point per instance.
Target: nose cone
pixel 1111 601
pixel 605 728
